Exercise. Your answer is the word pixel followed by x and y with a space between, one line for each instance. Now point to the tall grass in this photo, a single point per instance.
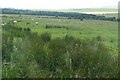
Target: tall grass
pixel 34 56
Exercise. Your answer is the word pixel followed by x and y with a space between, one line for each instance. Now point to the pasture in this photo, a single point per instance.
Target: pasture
pixel 58 47
pixel 86 29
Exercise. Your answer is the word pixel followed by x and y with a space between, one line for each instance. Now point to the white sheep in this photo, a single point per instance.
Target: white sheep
pixel 15 21
pixel 36 22
pixel 3 24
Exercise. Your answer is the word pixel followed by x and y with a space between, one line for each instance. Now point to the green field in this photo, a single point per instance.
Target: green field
pixel 107 30
pixel 58 47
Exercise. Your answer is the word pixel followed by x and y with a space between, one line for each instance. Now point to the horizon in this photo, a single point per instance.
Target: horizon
pixel 58 4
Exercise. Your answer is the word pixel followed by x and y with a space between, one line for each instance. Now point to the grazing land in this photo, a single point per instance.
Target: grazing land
pixel 36 46
pixel 107 30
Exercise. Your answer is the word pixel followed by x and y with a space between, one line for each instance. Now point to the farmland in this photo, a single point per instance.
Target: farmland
pixel 58 47
pixel 107 30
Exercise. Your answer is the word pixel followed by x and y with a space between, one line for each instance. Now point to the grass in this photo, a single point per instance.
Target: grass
pixel 65 57
pixel 73 49
pixel 108 30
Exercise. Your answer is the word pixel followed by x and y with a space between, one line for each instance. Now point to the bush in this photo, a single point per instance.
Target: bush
pixel 93 60
pixel 59 58
pixel 57 63
pixel 99 38
pixel 46 37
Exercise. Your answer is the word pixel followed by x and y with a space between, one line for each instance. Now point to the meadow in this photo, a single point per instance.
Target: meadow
pixel 107 30
pixel 58 47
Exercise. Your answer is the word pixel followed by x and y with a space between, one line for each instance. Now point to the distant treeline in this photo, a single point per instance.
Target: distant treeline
pixel 57 14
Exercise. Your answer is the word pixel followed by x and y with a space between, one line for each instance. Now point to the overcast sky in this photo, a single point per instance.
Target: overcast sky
pixel 57 4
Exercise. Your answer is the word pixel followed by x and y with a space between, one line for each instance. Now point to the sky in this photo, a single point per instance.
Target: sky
pixel 57 4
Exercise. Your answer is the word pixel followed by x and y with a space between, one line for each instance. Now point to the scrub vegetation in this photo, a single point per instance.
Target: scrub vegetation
pixel 35 46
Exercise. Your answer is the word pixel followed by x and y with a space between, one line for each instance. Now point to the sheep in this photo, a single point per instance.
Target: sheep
pixel 3 24
pixel 36 23
pixel 15 21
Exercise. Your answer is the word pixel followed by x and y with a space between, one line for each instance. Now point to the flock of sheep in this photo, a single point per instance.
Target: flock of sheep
pixel 15 21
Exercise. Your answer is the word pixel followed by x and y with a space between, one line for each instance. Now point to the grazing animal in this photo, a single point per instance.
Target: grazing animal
pixel 15 21
pixel 36 23
pixel 3 24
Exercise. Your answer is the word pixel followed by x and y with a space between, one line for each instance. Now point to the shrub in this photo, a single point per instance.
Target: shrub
pixel 99 38
pixel 60 57
pixel 91 60
pixel 28 29
pixel 57 64
pixel 27 23
pixel 46 37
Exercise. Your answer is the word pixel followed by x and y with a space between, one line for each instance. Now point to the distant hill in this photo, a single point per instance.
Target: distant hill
pixel 69 14
pixel 86 10
pixel 91 10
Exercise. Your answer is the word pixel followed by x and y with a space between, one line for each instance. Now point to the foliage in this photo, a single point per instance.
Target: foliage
pixel 46 37
pixel 32 51
pixel 60 58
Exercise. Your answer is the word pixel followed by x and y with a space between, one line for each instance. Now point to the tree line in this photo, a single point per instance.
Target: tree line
pixel 57 14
